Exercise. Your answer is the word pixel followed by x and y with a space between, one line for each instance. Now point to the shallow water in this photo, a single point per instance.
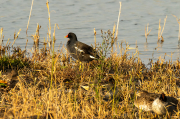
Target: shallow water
pixel 81 17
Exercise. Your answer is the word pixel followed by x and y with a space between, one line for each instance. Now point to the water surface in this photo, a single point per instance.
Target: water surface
pixel 81 17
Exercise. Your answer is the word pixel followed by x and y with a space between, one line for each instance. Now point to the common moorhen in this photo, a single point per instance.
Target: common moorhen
pixel 79 50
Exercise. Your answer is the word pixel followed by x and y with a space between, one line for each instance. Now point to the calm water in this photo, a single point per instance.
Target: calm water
pixel 81 17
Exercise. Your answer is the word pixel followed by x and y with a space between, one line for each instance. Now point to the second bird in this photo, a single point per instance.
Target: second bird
pixel 79 50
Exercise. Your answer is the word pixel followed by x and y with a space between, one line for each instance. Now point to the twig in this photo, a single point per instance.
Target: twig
pixel 29 16
pixel 1 36
pixel 178 20
pixel 16 36
pixel 159 30
pixel 95 37
pixel 164 24
pixel 118 21
pixel 147 32
pixel 49 29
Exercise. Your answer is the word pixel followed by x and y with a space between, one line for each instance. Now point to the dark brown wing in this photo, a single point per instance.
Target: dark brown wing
pixel 87 49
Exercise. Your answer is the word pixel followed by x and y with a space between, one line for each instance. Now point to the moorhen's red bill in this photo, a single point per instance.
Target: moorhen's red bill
pixel 79 50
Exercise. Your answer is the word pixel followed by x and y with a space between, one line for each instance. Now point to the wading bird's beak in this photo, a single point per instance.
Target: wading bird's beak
pixel 66 36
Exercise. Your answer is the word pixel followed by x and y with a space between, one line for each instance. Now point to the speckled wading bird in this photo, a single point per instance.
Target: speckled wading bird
pixel 158 103
pixel 79 50
pixel 107 89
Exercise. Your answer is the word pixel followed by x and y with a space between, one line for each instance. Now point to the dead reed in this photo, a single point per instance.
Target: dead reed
pixel 159 30
pixel 178 20
pixel 147 32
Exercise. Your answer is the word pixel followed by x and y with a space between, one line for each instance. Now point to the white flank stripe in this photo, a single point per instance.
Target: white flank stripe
pixel 92 57
pixel 78 49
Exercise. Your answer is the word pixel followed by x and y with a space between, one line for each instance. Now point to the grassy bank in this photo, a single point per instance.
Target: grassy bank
pixel 28 91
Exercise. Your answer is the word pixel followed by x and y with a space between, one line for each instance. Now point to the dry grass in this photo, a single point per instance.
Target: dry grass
pixel 29 93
